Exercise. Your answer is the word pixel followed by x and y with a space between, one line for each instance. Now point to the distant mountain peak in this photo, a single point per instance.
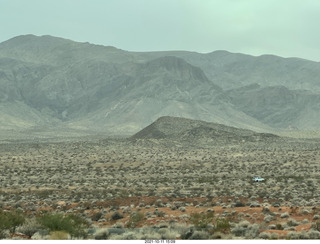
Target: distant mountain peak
pixel 33 40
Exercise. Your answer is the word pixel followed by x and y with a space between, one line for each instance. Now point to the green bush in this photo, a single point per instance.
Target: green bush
pixel 201 220
pixel 10 220
pixel 72 224
pixel 222 225
pixel 135 219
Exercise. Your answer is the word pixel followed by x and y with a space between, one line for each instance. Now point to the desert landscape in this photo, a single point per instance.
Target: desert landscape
pixel 159 121
pixel 101 143
pixel 175 179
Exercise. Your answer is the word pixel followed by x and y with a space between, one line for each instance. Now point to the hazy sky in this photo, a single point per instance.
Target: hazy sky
pixel 288 28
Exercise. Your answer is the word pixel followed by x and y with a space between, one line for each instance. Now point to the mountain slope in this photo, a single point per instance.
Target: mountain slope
pixel 57 51
pixel 49 82
pixel 234 70
pixel 277 106
pixel 166 86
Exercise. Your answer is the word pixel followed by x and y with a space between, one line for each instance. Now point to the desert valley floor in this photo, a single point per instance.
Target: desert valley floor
pixel 135 188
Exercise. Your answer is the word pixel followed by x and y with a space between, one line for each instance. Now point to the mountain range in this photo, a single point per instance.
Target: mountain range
pixel 52 86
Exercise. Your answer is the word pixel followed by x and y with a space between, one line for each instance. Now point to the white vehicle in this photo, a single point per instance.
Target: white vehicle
pixel 258 179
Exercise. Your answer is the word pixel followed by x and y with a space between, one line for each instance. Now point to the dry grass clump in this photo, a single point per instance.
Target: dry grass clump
pixel 59 235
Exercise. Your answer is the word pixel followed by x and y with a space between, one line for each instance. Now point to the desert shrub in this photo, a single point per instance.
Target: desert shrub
pixel 135 219
pixel 41 235
pixel 292 236
pixel 221 236
pixel 241 228
pixel 149 234
pixel 272 227
pixel 285 215
pixel 265 235
pixel 238 230
pixel 304 211
pixel 29 227
pixel 163 225
pixel 316 225
pixel 59 235
pixel 314 234
pixel 252 231
pixel 274 236
pixel 316 217
pixel 187 233
pixel 161 214
pixel 222 225
pixel 131 235
pixel 254 204
pixel 116 216
pixel 244 223
pixel 302 235
pixel 182 209
pixel 201 220
pixel 4 234
pixel 118 225
pixel 96 216
pixel 239 204
pixel 10 220
pixel 168 234
pixel 268 219
pixel 116 231
pixel 182 229
pixel 72 224
pixel 199 235
pixel 266 209
pixel 292 222
pixel 101 234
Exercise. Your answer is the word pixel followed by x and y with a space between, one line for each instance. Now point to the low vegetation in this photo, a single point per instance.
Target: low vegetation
pixel 122 189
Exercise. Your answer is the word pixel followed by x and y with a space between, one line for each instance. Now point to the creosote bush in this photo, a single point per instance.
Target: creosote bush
pixel 72 224
pixel 135 219
pixel 10 220
pixel 222 225
pixel 201 220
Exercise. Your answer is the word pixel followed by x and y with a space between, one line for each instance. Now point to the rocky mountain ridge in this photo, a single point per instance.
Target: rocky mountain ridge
pixel 49 82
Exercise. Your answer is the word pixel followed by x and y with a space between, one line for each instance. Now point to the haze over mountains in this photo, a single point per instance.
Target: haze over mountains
pixel 58 85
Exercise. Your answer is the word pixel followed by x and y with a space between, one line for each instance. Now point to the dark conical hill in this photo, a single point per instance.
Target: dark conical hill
pixel 182 129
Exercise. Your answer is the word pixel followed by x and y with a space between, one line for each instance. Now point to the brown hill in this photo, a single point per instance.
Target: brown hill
pixel 198 132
